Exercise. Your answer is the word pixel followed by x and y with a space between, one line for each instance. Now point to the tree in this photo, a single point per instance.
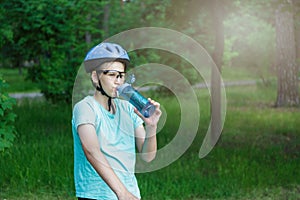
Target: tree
pixel 11 38
pixel 52 35
pixel 57 34
pixel 286 66
pixel 250 38
pixel 216 121
pixel 7 117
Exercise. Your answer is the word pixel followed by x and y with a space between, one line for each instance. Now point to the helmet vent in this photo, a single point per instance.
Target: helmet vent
pixel 118 49
pixel 108 49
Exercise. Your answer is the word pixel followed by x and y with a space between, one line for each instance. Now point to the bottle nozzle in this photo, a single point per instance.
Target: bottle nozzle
pixel 131 79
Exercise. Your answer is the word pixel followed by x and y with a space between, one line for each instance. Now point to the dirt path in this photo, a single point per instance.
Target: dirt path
pixel 21 95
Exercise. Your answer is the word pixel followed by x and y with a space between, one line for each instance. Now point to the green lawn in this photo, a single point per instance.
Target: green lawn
pixel 257 156
pixel 18 82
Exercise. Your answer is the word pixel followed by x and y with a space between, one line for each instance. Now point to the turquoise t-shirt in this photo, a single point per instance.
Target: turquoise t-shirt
pixel 117 142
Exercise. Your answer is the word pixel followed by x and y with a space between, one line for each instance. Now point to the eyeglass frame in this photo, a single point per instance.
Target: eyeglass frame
pixel 120 74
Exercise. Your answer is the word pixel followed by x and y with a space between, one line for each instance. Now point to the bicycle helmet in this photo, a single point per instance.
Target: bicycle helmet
pixel 105 52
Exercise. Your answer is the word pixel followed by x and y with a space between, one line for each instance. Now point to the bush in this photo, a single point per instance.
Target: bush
pixel 55 77
pixel 7 117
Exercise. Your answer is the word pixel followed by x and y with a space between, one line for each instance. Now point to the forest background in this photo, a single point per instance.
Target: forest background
pixel 46 41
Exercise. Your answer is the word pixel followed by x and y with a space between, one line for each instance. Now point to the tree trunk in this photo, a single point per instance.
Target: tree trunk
pixel 286 66
pixel 297 31
pixel 106 20
pixel 88 36
pixel 216 120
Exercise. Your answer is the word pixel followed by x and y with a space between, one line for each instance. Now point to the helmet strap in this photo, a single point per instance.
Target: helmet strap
pixel 101 90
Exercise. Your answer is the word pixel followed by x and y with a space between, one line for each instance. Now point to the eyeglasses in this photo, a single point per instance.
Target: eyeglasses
pixel 113 74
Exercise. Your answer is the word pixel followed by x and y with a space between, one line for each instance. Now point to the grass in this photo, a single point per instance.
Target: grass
pixel 18 82
pixel 257 156
pixel 238 73
pixel 40 161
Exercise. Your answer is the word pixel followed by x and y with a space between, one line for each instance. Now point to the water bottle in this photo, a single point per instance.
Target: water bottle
pixel 127 92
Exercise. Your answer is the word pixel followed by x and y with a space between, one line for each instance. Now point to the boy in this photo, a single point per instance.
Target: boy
pixel 107 131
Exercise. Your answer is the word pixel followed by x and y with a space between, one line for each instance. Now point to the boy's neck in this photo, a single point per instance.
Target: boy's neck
pixel 102 99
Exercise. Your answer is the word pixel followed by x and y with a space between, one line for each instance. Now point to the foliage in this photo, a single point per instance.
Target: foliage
pixel 55 35
pixel 135 14
pixel 45 32
pixel 250 41
pixel 7 117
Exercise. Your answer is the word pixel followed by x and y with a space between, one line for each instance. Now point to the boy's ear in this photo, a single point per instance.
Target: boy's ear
pixel 94 77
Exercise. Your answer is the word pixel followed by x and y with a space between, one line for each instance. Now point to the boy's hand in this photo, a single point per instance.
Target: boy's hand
pixel 154 118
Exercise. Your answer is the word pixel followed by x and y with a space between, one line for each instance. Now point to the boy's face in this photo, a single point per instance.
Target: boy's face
pixel 111 75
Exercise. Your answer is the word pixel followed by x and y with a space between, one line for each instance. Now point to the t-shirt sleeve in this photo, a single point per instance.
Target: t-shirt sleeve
pixel 83 114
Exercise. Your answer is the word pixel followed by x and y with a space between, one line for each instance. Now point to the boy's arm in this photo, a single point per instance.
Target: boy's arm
pixel 146 142
pixel 92 151
pixel 146 137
